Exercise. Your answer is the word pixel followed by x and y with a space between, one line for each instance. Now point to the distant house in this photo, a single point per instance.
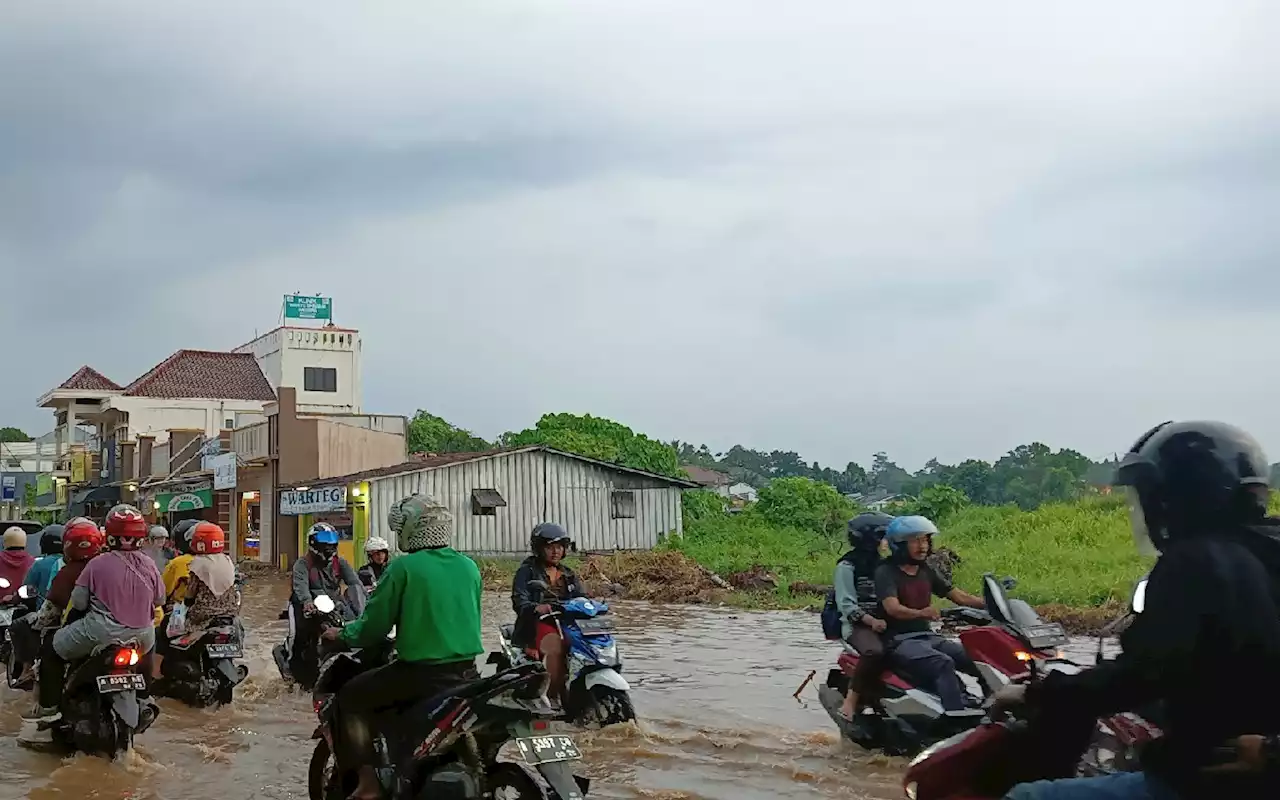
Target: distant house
pixel 743 492
pixel 877 500
pixel 722 484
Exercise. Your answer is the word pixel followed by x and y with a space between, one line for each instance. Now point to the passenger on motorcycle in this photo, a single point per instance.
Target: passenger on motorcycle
pixel 178 570
pixel 320 571
pixel 379 553
pixel 1207 643
pixel 905 587
pixel 23 634
pixel 210 589
pixel 861 617
pixel 81 541
pixel 158 547
pixel 550 544
pixel 15 562
pixel 431 596
pixel 118 594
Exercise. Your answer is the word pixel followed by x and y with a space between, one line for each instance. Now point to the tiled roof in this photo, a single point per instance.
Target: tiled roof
pixel 707 477
pixel 205 374
pixel 89 379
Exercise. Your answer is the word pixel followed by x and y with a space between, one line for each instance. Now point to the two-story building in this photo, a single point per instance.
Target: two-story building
pixel 322 364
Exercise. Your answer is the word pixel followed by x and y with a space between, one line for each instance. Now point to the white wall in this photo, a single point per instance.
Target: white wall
pixel 155 416
pixel 284 354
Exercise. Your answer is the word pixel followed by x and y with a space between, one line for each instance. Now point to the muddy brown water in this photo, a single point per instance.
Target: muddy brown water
pixel 713 688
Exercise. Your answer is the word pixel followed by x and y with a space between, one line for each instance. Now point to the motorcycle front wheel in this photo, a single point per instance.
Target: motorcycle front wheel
pixel 612 707
pixel 320 782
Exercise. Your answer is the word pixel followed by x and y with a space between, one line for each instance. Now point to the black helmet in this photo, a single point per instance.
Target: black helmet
pixel 548 533
pixel 1187 478
pixel 51 540
pixel 182 535
pixel 866 530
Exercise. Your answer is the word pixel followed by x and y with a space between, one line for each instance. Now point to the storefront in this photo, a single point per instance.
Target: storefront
pixel 249 523
pixel 173 507
pixel 344 507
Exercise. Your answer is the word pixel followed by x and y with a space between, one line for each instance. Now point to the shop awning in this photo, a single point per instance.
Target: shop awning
pixel 96 495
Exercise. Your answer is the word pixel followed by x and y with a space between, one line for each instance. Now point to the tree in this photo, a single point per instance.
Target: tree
pixel 598 438
pixel 937 502
pixel 807 504
pixel 10 434
pixel 428 433
pixel 887 475
pixel 29 495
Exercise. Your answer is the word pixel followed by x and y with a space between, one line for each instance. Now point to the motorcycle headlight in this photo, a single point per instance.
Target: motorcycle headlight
pixel 608 653
pixel 910 790
pixel 928 752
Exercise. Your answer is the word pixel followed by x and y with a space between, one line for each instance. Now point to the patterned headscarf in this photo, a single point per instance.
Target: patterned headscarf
pixel 419 522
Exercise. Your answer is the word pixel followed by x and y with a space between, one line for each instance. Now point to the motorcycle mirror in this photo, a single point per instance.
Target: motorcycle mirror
pixel 24 592
pixel 4 583
pixel 1008 583
pixel 324 604
pixel 1139 600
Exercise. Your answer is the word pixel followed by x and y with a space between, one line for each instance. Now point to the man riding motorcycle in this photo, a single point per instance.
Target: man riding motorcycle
pixel 904 586
pixel 860 614
pixel 15 562
pixel 431 596
pixel 550 543
pixel 178 570
pixel 118 593
pixel 47 565
pixel 319 571
pixel 81 541
pixel 1207 643
pixel 379 553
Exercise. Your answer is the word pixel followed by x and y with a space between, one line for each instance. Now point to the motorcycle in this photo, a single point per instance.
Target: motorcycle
pixel 101 708
pixel 596 689
pixel 281 653
pixel 201 670
pixel 10 612
pixel 1001 640
pixel 447 745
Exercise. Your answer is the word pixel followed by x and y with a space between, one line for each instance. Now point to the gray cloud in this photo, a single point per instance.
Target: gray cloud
pixel 837 229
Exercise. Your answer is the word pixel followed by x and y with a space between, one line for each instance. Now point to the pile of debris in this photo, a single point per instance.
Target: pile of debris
pixel 662 576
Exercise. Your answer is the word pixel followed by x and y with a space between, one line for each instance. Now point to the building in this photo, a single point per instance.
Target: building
pixel 722 483
pixel 498 497
pixel 323 364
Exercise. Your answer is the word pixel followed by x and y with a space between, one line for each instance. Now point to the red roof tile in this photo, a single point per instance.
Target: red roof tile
pixel 89 379
pixel 205 374
pixel 707 477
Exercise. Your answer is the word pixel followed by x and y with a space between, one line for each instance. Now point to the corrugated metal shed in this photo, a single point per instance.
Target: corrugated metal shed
pixel 603 506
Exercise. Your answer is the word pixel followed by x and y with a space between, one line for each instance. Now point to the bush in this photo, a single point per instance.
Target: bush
pixel 805 504
pixel 700 504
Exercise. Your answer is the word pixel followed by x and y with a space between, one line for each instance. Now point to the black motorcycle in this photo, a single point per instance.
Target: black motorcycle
pixel 200 669
pixel 328 614
pixel 102 710
pixel 20 605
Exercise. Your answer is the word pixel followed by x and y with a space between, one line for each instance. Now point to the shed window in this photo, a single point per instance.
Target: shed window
pixel 319 379
pixel 486 502
pixel 622 505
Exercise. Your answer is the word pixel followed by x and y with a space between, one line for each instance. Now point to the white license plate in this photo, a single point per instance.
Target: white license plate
pixel 595 627
pixel 6 616
pixel 548 749
pixel 121 683
pixel 227 650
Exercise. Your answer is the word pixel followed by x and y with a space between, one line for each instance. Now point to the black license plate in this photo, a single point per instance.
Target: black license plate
pixel 592 627
pixel 121 683
pixel 548 749
pixel 224 650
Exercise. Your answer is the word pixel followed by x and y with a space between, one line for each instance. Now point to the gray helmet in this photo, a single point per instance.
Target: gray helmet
pixel 420 523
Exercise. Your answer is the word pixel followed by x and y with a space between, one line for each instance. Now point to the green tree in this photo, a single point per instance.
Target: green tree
pixel 10 434
pixel 430 434
pixel 29 495
pixel 807 504
pixel 599 438
pixel 937 502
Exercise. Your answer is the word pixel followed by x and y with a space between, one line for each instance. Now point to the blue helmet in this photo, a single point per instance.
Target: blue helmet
pixel 322 539
pixel 904 528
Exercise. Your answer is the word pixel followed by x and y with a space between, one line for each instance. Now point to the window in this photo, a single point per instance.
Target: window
pixel 319 379
pixel 622 505
pixel 228 424
pixel 486 502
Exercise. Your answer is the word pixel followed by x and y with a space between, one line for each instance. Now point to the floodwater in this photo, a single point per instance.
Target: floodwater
pixel 713 688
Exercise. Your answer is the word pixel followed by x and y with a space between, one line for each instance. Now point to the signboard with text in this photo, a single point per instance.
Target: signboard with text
pixel 298 306
pixel 313 501
pixel 224 470
pixel 9 488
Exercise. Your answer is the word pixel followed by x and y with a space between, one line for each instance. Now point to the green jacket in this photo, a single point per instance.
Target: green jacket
pixel 432 598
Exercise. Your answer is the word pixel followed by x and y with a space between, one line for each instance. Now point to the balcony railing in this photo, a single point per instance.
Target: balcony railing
pixel 252 443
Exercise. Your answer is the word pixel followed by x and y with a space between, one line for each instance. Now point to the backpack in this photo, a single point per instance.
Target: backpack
pixel 832 625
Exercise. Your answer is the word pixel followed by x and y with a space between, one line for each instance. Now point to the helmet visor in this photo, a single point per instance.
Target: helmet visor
pixel 1138 524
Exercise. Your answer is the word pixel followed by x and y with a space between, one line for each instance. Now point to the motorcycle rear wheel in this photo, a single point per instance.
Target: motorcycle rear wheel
pixel 510 781
pixel 320 785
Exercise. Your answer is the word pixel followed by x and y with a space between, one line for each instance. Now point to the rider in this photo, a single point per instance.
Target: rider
pixel 119 594
pixel 158 547
pixel 1207 643
pixel 210 588
pixel 81 541
pixel 862 621
pixel 15 561
pixel 379 553
pixel 431 596
pixel 320 571
pixel 904 586
pixel 22 633
pixel 550 543
pixel 178 570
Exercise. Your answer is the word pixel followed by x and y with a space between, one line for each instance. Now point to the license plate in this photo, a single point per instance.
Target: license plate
pixel 6 616
pixel 1045 635
pixel 227 650
pixel 592 627
pixel 548 749
pixel 121 683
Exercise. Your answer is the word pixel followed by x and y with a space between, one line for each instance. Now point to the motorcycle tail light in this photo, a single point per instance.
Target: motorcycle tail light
pixel 540 725
pixel 126 657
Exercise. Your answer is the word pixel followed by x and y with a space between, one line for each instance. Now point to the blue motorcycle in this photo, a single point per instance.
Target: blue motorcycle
pixel 597 692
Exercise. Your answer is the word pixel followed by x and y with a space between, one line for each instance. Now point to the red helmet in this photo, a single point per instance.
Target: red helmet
pixel 81 540
pixel 125 528
pixel 207 538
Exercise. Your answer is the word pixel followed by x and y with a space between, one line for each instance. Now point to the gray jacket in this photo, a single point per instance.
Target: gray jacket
pixel 310 580
pixel 847 583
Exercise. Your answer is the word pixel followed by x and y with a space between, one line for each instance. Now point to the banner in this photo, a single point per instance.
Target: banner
pixel 44 484
pixel 185 501
pixel 78 467
pixel 312 501
pixel 224 470
pixel 297 306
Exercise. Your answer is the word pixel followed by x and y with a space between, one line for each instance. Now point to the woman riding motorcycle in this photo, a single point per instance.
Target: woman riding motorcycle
pixel 178 570
pixel 210 588
pixel 47 565
pixel 550 543
pixel 862 620
pixel 379 553
pixel 119 593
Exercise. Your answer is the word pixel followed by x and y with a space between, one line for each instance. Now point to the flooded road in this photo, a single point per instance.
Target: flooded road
pixel 713 688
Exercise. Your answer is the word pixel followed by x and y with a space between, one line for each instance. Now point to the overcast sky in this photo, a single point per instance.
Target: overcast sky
pixel 935 229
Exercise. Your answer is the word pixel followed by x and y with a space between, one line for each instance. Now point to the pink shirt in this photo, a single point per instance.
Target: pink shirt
pixel 127 584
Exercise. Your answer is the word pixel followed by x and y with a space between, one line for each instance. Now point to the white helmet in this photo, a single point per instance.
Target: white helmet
pixel 376 544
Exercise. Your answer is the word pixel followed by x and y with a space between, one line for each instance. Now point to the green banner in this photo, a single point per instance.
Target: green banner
pixel 299 306
pixel 44 483
pixel 185 501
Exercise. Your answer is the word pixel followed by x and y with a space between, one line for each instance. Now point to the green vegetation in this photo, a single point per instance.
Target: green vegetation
pixel 428 433
pixel 598 438
pixel 11 434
